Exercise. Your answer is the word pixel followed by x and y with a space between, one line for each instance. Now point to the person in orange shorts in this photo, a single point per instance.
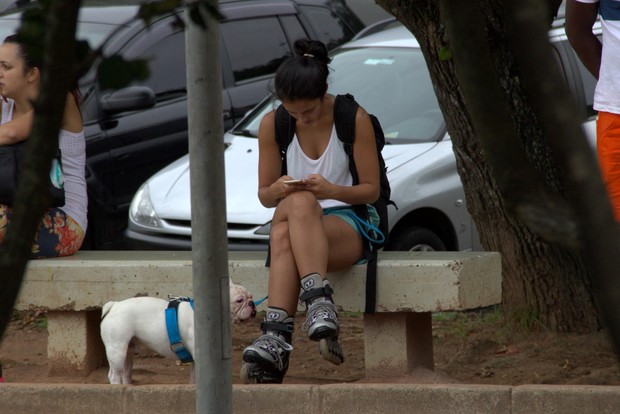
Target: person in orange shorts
pixel 608 148
pixel 603 61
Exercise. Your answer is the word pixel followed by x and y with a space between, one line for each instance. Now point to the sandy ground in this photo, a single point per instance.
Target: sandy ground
pixel 469 348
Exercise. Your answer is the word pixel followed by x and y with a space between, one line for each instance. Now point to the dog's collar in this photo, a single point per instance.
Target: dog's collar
pixel 172 325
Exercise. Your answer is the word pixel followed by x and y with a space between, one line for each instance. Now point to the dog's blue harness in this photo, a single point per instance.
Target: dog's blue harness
pixel 172 325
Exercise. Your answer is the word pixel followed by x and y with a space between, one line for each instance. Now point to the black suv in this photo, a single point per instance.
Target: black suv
pixel 133 132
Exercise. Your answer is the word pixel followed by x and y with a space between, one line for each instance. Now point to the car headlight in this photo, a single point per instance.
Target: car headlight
pixel 141 210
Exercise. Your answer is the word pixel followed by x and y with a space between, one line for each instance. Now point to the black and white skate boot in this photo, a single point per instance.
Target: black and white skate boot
pixel 266 360
pixel 321 317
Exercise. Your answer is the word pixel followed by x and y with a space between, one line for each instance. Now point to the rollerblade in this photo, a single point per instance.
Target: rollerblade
pixel 322 317
pixel 266 360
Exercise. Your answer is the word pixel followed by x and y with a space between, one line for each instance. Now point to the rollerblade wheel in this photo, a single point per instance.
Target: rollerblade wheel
pixel 252 373
pixel 245 374
pixel 331 351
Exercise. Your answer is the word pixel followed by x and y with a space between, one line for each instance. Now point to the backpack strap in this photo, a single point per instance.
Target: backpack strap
pixel 285 130
pixel 345 113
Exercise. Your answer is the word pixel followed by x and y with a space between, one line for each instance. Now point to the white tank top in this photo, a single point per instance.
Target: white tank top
pixel 607 92
pixel 333 164
pixel 73 148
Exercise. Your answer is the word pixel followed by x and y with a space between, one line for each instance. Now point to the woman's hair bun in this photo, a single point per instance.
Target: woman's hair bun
pixel 312 49
pixel 304 75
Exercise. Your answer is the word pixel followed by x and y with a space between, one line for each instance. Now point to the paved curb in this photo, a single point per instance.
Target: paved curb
pixel 315 399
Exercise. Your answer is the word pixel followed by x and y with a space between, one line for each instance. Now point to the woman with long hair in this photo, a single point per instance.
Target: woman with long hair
pixel 62 229
pixel 312 231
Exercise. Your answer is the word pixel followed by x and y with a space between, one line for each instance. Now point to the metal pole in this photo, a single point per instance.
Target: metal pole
pixel 208 200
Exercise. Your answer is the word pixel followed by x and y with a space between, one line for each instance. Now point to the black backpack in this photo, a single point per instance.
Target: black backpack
pixel 345 110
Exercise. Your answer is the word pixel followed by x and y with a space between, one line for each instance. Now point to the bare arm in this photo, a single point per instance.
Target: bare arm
pixel 72 118
pixel 270 188
pixel 17 129
pixel 580 18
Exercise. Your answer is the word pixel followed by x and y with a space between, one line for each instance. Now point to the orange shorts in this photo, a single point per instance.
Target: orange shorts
pixel 608 149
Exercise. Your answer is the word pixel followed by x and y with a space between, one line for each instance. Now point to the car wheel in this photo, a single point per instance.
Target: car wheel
pixel 415 239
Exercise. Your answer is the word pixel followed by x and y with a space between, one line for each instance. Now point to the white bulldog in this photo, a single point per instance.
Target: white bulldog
pixel 143 318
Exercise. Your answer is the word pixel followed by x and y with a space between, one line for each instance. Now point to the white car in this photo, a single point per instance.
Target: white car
pixel 387 74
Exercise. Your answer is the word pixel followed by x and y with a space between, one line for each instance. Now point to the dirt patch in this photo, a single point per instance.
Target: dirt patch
pixel 469 348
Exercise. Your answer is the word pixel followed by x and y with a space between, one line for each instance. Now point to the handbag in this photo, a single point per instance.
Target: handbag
pixel 10 166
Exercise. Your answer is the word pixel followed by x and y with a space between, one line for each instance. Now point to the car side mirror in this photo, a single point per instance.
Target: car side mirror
pixel 128 99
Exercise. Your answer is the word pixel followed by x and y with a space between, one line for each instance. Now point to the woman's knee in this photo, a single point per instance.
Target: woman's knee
pixel 303 203
pixel 279 239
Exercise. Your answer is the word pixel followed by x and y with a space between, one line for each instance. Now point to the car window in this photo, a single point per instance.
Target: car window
pixel 162 45
pixel 166 60
pixel 255 47
pixel 394 84
pixel 94 33
pixel 391 83
pixel 293 28
pixel 331 30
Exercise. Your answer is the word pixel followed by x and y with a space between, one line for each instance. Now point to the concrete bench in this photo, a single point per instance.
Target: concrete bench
pixel 397 339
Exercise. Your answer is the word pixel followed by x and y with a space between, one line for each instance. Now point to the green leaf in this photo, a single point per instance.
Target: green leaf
pixel 196 17
pixel 214 11
pixel 152 9
pixel 116 72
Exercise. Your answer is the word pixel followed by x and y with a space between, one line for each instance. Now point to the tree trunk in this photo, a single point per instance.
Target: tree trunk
pixel 542 282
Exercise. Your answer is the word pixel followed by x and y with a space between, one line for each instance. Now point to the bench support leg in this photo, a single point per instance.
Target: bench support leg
pixel 74 344
pixel 397 344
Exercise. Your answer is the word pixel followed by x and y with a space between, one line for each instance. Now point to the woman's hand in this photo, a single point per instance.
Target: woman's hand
pixel 319 186
pixel 315 183
pixel 283 186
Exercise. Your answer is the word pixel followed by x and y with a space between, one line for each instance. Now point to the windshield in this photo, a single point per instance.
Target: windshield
pixel 391 83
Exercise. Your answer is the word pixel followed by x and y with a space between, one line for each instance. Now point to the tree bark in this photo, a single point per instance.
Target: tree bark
pixel 514 187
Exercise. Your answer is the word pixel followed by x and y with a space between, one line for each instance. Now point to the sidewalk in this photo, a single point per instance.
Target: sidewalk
pixel 315 399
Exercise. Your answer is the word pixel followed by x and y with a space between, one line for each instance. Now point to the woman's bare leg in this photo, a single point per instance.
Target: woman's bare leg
pixel 299 245
pixel 283 285
pixel 304 245
pixel 304 241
